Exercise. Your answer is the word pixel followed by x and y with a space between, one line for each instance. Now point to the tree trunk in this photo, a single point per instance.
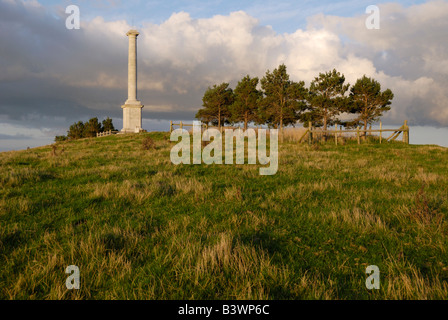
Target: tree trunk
pixel 325 128
pixel 281 125
pixel 365 119
pixel 245 121
pixel 219 119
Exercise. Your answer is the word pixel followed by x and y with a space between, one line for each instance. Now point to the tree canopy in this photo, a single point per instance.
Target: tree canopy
pixel 88 129
pixel 326 99
pixel 283 100
pixel 91 128
pixel 216 103
pixel 246 98
pixel 107 125
pixel 368 101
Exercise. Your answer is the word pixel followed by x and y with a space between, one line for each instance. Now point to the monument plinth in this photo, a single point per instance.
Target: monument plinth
pixel 132 108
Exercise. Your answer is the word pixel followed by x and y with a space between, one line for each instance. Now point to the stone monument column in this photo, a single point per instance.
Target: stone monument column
pixel 132 108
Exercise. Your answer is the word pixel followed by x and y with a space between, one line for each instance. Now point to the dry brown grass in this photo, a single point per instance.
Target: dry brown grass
pixel 294 134
pixel 239 261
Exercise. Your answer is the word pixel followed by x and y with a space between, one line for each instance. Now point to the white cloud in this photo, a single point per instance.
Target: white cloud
pixel 409 54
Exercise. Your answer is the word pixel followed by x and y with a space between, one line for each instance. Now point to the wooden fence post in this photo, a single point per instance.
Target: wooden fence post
pixel 340 133
pixel 336 133
pixel 310 134
pixel 406 132
pixel 381 132
pixel 357 135
pixel 181 125
pixel 171 126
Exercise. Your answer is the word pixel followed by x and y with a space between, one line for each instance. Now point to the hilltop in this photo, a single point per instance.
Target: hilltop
pixel 139 227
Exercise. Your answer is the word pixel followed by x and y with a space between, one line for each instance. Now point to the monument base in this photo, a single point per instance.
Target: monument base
pixel 132 118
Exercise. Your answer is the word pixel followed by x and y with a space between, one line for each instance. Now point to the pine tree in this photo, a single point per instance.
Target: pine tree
pixel 283 101
pixel 368 101
pixel 107 125
pixel 216 103
pixel 326 99
pixel 91 128
pixel 245 106
pixel 76 130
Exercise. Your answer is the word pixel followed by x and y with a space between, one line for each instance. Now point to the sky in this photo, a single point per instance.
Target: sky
pixel 51 77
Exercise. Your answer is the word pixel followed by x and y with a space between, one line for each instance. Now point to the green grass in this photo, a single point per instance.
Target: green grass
pixel 139 227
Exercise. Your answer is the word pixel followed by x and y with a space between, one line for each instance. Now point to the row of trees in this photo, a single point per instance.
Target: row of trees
pixel 282 102
pixel 88 129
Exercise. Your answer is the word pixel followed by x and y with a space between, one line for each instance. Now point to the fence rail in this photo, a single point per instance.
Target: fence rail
pixel 205 126
pixel 311 132
pixel 105 133
pixel 404 129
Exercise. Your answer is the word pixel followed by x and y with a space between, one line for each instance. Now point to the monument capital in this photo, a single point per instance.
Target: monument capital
pixel 132 32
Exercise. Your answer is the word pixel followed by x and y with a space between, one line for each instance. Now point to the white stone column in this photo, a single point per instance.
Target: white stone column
pixel 132 108
pixel 132 66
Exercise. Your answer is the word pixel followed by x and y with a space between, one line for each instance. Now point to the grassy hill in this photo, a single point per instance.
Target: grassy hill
pixel 139 227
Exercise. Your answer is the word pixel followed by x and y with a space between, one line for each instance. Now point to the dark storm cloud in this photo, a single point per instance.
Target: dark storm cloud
pixel 14 137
